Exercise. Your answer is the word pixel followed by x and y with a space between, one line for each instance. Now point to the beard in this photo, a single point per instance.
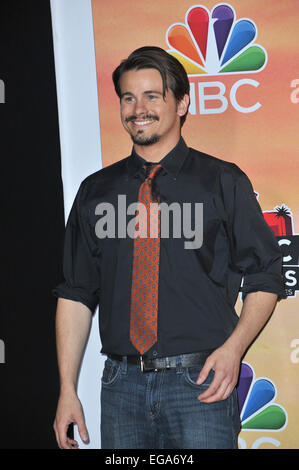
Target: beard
pixel 140 139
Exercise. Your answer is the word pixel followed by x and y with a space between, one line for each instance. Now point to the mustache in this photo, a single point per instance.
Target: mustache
pixel 145 116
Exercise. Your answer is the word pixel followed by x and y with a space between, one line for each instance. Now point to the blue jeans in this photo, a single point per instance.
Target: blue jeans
pixel 160 410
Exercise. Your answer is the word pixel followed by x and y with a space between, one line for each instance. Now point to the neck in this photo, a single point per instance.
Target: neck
pixel 154 153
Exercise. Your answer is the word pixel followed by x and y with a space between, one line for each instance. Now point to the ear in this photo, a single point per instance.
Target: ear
pixel 183 105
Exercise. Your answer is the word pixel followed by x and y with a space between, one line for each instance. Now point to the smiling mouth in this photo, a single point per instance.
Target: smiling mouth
pixel 141 124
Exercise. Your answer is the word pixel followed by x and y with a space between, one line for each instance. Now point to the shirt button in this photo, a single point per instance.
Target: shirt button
pixel 155 353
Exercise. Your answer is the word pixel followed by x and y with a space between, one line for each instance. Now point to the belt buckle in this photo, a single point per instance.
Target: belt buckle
pixel 142 366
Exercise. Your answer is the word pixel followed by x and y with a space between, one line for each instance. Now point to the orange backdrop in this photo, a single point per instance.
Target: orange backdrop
pixel 264 143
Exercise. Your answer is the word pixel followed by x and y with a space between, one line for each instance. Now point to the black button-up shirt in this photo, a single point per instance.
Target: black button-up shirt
pixel 198 287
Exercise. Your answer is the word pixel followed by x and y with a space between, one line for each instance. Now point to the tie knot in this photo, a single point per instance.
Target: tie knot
pixel 153 171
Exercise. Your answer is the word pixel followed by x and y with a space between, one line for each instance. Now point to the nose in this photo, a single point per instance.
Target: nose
pixel 140 107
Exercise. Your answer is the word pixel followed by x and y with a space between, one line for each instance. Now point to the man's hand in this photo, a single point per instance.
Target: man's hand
pixel 73 321
pixel 226 364
pixel 69 410
pixel 226 360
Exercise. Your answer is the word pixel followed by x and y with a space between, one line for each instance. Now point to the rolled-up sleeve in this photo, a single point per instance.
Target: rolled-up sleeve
pixel 81 260
pixel 254 249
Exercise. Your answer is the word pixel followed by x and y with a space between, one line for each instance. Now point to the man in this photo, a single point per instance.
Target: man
pixel 173 340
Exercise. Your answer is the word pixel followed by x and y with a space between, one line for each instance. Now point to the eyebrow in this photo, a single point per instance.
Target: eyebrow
pixel 147 92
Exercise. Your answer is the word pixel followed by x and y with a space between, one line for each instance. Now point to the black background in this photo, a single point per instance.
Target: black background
pixel 32 225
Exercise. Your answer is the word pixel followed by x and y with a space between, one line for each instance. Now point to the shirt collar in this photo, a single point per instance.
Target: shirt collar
pixel 171 163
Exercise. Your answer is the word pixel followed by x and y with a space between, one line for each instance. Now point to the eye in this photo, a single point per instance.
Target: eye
pixel 152 97
pixel 127 99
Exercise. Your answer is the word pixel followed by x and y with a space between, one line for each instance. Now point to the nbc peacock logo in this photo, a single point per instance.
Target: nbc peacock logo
pixel 256 397
pixel 215 42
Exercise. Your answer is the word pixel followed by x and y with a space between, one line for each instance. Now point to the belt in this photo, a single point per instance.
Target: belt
pixel 171 362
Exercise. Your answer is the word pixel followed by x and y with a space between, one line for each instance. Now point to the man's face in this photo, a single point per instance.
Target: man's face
pixel 145 114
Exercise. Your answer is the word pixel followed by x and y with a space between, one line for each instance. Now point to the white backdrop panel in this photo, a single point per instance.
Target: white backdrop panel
pixel 80 156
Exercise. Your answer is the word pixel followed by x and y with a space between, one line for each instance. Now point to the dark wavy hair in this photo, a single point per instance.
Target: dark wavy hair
pixel 171 70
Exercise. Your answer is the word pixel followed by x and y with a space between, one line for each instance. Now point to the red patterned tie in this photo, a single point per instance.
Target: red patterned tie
pixel 145 275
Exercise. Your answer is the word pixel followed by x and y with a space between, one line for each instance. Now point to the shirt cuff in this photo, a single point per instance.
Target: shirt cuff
pixel 264 282
pixel 77 294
